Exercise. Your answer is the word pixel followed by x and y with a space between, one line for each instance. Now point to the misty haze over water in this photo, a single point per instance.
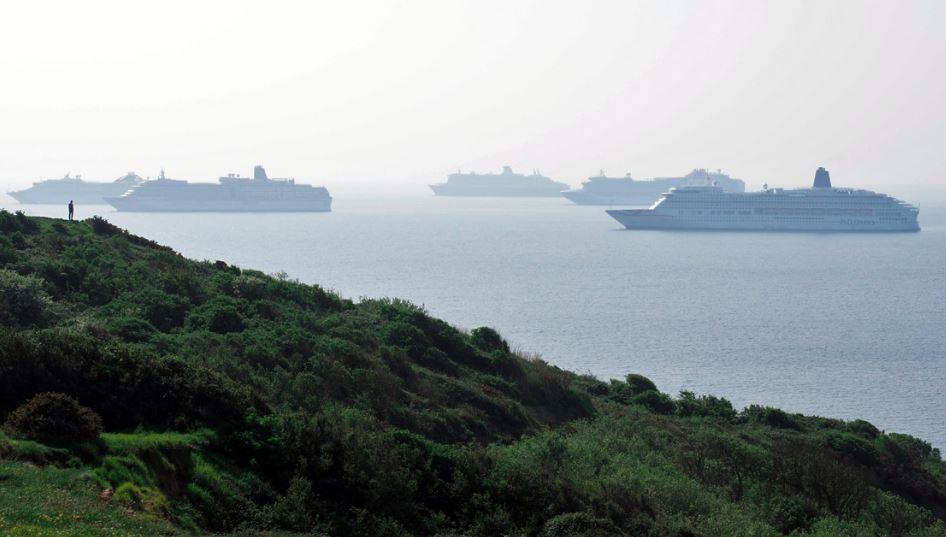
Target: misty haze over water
pixel 839 325
pixel 381 94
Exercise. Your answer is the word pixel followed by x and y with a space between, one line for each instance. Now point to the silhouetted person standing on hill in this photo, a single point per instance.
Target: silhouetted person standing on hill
pixel 72 209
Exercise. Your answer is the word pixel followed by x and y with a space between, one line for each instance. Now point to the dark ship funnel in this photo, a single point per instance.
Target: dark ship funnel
pixel 822 178
pixel 259 173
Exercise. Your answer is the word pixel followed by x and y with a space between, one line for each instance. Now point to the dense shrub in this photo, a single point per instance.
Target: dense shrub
pixel 654 401
pixel 17 222
pixel 704 406
pixel 54 417
pixel 8 222
pixel 915 448
pixel 102 226
pixel 851 445
pixel 406 336
pixel 836 485
pixel 165 311
pixel 131 329
pixel 23 302
pixel 788 513
pixel 772 417
pixel 638 384
pixel 632 386
pixel 249 287
pixel 220 315
pixel 129 495
pixel 863 428
pixel 127 387
pixel 580 525
pixel 487 339
pixel 291 510
pixel 7 251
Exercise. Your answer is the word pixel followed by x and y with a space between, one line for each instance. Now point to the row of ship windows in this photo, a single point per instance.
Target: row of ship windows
pixel 807 203
pixel 777 199
pixel 790 219
pixel 777 218
pixel 786 211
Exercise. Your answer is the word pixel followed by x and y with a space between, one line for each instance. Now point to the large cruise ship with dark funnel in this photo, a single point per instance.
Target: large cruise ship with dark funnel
pixel 604 190
pixel 503 184
pixel 76 189
pixel 820 208
pixel 230 194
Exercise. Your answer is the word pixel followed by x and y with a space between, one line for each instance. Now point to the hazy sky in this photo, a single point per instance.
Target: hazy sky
pixel 401 93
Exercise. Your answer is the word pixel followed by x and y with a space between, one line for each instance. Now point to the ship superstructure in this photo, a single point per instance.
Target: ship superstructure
pixel 507 183
pixel 604 190
pixel 76 189
pixel 231 193
pixel 821 208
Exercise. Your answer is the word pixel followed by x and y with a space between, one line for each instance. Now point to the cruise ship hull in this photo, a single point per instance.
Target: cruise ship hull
pixel 132 204
pixel 648 219
pixel 89 194
pixel 583 198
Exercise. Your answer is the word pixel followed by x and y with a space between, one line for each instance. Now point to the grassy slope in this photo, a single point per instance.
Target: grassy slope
pixel 282 407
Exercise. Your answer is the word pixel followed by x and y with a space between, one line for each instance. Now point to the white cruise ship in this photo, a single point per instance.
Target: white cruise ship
pixel 604 190
pixel 821 208
pixel 506 184
pixel 76 189
pixel 231 194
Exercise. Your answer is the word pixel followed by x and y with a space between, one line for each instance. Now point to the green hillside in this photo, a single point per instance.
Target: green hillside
pixel 201 397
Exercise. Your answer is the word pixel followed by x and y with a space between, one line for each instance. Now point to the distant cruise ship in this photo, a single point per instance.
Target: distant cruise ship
pixel 75 189
pixel 504 184
pixel 821 208
pixel 232 194
pixel 603 190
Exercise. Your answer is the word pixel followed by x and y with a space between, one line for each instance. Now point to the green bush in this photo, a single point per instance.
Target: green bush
pixel 918 449
pixel 7 251
pixel 292 510
pixel 130 495
pixel 54 417
pixel 851 445
pixel 771 417
pixel 165 311
pixel 406 336
pixel 789 513
pixel 17 222
pixel 863 428
pixel 633 385
pixel 131 329
pixel 220 315
pixel 580 525
pixel 249 287
pixel 127 387
pixel 704 406
pixel 487 339
pixel 638 384
pixel 23 302
pixel 655 401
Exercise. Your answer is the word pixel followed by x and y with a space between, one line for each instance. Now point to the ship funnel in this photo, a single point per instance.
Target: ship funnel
pixel 259 173
pixel 822 178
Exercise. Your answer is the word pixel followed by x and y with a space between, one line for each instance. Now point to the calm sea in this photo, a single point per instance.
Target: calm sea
pixel 840 325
